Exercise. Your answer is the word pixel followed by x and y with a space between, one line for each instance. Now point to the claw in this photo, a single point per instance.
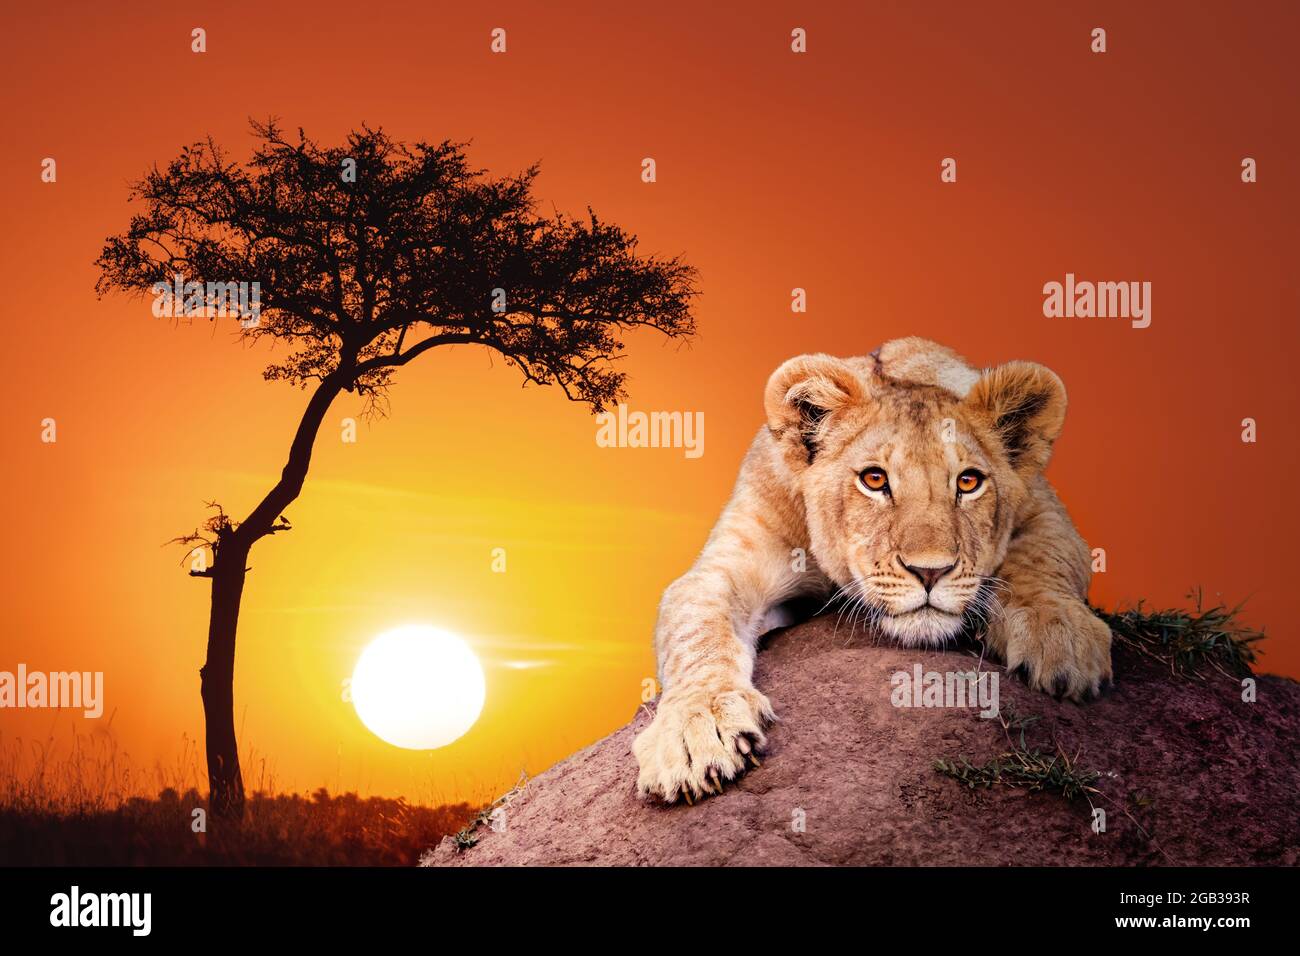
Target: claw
pixel 753 758
pixel 686 792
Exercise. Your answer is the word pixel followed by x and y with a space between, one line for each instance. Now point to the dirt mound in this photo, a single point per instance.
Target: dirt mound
pixel 1186 773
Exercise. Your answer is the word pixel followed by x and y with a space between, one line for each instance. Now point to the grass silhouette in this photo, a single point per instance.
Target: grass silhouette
pixel 86 805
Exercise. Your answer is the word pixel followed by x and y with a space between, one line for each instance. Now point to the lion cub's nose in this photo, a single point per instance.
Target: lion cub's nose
pixel 928 576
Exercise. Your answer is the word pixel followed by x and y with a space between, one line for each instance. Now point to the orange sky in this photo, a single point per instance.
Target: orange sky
pixel 774 171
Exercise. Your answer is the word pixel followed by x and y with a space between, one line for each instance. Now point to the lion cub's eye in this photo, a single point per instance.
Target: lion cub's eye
pixel 874 479
pixel 969 481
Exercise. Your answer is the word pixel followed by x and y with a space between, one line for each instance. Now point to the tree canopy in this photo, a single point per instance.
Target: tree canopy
pixel 370 253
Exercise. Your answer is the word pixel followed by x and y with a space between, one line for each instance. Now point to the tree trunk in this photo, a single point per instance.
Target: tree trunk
pixel 225 782
pixel 229 566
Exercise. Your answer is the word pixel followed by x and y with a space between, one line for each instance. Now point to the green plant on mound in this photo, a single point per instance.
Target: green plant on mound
pixel 1033 769
pixel 467 837
pixel 1187 641
pixel 1020 766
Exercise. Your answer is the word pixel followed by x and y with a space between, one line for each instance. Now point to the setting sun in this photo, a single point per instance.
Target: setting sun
pixel 418 687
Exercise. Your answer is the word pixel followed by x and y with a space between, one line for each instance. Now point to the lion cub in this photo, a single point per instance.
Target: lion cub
pixel 914 485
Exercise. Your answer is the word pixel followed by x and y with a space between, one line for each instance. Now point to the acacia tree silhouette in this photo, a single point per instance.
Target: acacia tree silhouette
pixel 368 255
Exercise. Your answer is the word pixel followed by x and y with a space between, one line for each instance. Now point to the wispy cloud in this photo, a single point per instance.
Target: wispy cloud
pixel 441 506
pixel 524 665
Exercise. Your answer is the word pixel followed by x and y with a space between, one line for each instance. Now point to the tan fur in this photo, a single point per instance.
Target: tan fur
pixel 800 523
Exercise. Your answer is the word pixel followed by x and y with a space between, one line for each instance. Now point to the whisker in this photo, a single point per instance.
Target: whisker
pixel 984 608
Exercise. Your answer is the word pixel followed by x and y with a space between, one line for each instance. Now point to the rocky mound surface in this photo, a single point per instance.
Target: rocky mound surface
pixel 1186 772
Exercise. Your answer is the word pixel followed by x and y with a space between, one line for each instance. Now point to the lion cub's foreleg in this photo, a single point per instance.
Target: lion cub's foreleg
pixel 1045 624
pixel 710 718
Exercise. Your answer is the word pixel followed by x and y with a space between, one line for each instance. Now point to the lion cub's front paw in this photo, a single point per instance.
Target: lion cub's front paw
pixel 1062 645
pixel 698 739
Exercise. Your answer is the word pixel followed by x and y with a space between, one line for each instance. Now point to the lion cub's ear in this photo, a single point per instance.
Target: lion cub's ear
pixel 804 393
pixel 1024 403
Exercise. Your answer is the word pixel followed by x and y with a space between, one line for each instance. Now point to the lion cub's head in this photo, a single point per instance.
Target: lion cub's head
pixel 911 490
